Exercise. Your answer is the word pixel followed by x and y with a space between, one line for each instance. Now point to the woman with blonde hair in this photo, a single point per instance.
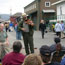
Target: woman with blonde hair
pixel 42 27
pixel 33 59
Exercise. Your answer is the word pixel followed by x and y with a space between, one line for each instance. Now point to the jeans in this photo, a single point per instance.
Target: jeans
pixel 18 35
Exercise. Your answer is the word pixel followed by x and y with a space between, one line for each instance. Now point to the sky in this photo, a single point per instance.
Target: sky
pixel 13 6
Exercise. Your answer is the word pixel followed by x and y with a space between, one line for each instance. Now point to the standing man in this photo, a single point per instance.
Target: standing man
pixel 62 33
pixel 58 29
pixel 18 33
pixel 42 27
pixel 27 31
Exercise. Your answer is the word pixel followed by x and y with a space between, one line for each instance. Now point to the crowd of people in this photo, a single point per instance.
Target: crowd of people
pixel 48 55
pixel 9 26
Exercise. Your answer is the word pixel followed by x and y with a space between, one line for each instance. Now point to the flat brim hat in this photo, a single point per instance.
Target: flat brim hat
pixel 24 14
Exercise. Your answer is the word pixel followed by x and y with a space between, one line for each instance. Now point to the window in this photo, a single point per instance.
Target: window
pixel 47 4
pixel 60 10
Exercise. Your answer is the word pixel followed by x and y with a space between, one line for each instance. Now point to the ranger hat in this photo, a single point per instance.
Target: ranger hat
pixel 24 14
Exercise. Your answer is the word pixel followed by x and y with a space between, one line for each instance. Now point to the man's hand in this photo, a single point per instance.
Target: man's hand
pixel 23 29
pixel 32 24
pixel 6 43
pixel 0 43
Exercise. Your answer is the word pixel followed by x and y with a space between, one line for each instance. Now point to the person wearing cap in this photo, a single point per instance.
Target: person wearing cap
pixel 57 40
pixel 45 54
pixel 26 26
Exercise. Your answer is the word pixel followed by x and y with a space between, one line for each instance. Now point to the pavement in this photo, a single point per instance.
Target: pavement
pixel 38 41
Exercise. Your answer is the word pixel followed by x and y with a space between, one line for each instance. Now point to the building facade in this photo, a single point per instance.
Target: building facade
pixel 41 9
pixel 60 10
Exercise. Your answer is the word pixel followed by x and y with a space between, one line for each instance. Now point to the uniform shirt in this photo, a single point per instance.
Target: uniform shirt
pixel 13 59
pixel 25 25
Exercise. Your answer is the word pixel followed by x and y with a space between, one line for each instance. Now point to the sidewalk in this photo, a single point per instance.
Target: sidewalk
pixel 38 41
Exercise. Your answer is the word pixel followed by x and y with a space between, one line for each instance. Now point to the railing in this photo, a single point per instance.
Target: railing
pixel 58 17
pixel 62 17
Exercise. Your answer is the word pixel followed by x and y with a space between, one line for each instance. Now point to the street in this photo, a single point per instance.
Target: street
pixel 38 41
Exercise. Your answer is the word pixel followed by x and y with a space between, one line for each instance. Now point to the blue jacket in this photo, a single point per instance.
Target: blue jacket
pixel 63 61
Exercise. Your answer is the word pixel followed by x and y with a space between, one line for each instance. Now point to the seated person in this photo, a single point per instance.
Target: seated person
pixel 33 59
pixel 45 54
pixel 15 57
pixel 53 47
pixel 58 54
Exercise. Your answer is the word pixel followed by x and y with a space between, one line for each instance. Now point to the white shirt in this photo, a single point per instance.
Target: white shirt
pixel 58 27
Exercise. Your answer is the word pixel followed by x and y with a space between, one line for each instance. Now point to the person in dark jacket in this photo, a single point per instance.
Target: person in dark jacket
pixel 26 26
pixel 42 27
pixel 45 54
pixel 58 54
pixel 57 40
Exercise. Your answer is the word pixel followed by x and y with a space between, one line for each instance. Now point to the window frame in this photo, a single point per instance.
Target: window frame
pixel 49 3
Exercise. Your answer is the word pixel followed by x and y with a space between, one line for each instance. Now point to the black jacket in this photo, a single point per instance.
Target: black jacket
pixel 42 26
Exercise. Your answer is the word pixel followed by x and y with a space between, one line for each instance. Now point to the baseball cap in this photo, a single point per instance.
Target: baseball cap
pixel 45 50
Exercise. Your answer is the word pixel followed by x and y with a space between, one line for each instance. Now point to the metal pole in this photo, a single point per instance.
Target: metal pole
pixel 38 14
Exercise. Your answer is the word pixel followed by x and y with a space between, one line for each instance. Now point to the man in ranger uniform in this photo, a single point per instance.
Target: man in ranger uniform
pixel 26 26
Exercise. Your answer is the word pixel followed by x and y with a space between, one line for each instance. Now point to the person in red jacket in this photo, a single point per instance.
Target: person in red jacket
pixel 15 57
